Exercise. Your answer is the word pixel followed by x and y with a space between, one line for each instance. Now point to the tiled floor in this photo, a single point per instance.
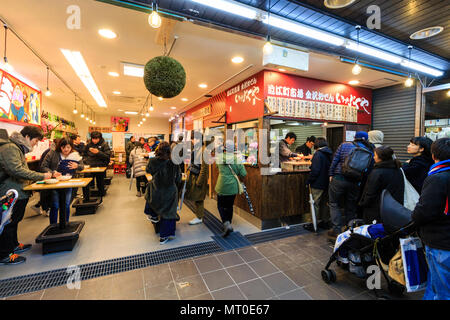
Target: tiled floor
pixel 287 269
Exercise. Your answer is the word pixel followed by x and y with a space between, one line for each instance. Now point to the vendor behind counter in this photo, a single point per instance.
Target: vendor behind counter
pixel 305 149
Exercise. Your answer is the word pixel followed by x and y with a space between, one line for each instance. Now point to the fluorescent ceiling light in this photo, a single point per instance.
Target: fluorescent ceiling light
pixel 131 112
pixel 422 68
pixel 106 33
pixel 113 74
pixel 353 82
pixel 282 70
pixel 230 6
pixel 133 70
pixel 81 69
pixel 304 30
pixel 117 92
pixel 373 52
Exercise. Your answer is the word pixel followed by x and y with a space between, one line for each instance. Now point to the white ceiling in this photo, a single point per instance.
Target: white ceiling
pixel 205 54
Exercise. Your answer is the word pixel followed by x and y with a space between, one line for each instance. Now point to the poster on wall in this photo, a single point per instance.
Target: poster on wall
pixel 19 102
pixel 119 124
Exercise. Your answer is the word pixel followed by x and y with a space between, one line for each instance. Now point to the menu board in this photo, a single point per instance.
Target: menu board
pixel 312 110
pixel 19 102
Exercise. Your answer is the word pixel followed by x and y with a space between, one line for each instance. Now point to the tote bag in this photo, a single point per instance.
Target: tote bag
pixel 240 187
pixel 411 196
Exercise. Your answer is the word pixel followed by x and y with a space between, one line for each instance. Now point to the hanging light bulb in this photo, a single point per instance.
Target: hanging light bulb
pixel 48 93
pixel 154 19
pixel 82 114
pixel 147 114
pixel 75 111
pixel 356 69
pixel 151 108
pixel 409 82
pixel 143 119
pixel 448 93
pixel 268 48
pixel 6 65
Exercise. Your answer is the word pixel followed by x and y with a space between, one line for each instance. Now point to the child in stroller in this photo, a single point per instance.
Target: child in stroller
pixel 364 245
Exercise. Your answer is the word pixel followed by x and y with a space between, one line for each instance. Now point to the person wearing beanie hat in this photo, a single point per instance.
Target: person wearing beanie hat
pixel 376 138
pixel 341 189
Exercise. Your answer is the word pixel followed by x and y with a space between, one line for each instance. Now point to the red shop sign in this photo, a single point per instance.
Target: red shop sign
pixel 299 97
pixel 245 100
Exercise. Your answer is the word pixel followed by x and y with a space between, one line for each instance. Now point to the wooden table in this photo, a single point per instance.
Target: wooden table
pixel 60 187
pixel 62 236
pixel 94 170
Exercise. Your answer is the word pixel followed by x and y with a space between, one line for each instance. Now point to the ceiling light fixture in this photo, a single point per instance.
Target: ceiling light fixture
pixel 230 6
pixel 422 68
pixel 131 112
pixel 173 108
pixel 144 119
pixel 75 111
pixel 81 69
pixel 353 82
pixel 337 4
pixel 48 93
pixel 282 70
pixel 409 82
pixel 237 59
pixel 154 19
pixel 448 93
pixel 357 68
pixel 117 92
pixel 184 99
pixel 133 70
pixel 147 114
pixel 106 33
pixel 151 108
pixel 203 85
pixel 160 98
pixel 82 113
pixel 426 33
pixel 6 65
pixel 113 74
pixel 268 48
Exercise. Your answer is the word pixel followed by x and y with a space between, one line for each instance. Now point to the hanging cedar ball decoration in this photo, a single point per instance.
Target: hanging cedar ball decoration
pixel 164 77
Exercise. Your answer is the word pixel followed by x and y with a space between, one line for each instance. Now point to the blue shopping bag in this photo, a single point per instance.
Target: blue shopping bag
pixel 414 264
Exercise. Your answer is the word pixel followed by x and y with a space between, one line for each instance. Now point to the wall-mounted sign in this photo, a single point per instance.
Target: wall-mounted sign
pixel 429 123
pixel 299 97
pixel 201 112
pixel 119 124
pixel 100 129
pixel 19 102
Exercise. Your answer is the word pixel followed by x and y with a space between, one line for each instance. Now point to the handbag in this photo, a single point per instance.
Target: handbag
pixel 396 270
pixel 411 196
pixel 414 264
pixel 240 187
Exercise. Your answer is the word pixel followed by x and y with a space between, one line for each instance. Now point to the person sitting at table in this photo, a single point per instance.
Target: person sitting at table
pixel 97 154
pixel 162 194
pixel 305 149
pixel 64 160
pixel 138 161
pixel 14 174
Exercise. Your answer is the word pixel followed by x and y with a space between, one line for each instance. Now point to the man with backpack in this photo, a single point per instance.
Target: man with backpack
pixel 350 164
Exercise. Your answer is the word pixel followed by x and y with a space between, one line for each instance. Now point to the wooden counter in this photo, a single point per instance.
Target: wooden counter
pixel 273 196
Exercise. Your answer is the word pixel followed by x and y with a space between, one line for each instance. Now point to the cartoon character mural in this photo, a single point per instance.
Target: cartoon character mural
pixel 19 102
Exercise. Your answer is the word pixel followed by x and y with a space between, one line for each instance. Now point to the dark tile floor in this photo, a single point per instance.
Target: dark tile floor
pixel 287 269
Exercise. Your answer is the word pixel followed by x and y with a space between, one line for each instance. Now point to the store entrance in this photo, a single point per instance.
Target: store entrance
pixel 335 137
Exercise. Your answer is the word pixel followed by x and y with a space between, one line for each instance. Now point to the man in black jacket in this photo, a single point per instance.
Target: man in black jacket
pixel 305 148
pixel 432 217
pixel 97 154
pixel 318 181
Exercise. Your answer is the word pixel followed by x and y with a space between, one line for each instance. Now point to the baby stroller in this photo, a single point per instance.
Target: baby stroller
pixel 360 251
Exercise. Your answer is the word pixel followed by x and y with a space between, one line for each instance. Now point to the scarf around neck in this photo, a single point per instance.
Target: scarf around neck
pixel 439 167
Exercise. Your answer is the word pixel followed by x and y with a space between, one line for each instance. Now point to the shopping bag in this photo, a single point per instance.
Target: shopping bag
pixel 396 270
pixel 414 264
pixel 411 196
pixel 7 203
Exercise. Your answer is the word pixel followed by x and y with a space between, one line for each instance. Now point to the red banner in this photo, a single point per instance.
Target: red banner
pixel 299 97
pixel 19 102
pixel 245 101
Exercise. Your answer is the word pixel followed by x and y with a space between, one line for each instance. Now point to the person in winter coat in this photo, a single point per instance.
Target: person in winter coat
pixel 227 187
pixel 14 174
pixel 416 170
pixel 342 189
pixel 78 146
pixel 153 143
pixel 197 183
pixel 139 159
pixel 376 138
pixel 285 152
pixel 64 160
pixel 128 148
pixel 386 174
pixel 98 154
pixel 318 181
pixel 305 149
pixel 431 215
pixel 162 193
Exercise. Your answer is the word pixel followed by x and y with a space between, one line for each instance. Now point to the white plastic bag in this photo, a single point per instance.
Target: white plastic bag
pixel 414 264
pixel 411 196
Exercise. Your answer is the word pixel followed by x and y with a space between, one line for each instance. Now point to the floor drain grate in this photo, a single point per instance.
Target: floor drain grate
pixel 59 277
pixel 280 233
pixel 234 240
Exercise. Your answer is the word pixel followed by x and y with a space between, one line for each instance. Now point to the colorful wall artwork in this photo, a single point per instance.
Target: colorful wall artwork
pixel 19 102
pixel 120 124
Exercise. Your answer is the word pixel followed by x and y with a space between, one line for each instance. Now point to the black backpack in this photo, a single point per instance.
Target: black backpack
pixel 357 163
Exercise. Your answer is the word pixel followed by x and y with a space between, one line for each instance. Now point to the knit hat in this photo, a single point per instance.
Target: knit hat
pixel 361 135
